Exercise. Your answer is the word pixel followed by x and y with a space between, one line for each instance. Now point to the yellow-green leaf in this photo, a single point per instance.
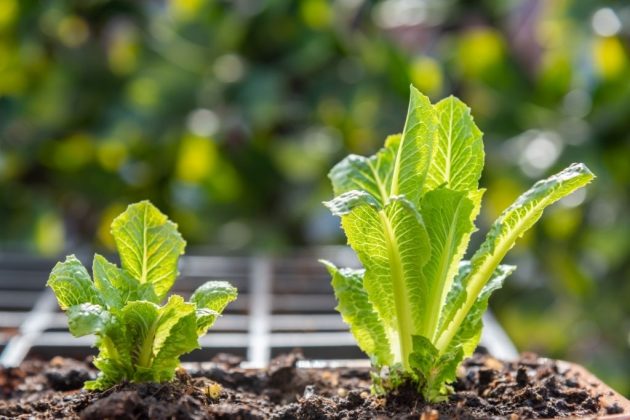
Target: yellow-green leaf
pixel 149 246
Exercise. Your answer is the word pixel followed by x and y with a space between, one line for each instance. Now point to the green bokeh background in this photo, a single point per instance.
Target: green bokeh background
pixel 228 115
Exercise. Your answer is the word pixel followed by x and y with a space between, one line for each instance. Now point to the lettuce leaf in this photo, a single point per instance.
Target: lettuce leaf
pixel 393 245
pixel 149 246
pixel 72 284
pixel 400 166
pixel 210 299
pixel 357 311
pixel 505 231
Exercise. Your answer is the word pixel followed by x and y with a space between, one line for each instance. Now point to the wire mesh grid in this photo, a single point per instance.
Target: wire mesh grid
pixel 284 303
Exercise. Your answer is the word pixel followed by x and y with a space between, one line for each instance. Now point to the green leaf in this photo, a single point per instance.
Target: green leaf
pixel 449 216
pixel 114 366
pixel 140 319
pixel 211 298
pixel 150 328
pixel 393 246
pixel 110 374
pixel 401 166
pixel 87 318
pixel 114 359
pixel 358 313
pixel 116 286
pixel 372 175
pixel 343 204
pixel 180 339
pixel 215 295
pixel 458 153
pixel 72 284
pixel 415 147
pixel 149 246
pixel 510 226
pixel 169 316
pixel 205 319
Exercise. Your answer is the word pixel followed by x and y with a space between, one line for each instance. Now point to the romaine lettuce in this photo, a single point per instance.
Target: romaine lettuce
pixel 138 339
pixel 408 212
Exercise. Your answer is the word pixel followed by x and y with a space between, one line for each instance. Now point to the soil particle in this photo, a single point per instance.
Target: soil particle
pixel 63 375
pixel 614 409
pixel 521 377
pixel 10 379
pixel 487 388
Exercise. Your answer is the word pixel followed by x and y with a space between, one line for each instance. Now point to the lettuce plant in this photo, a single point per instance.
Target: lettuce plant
pixel 408 212
pixel 138 339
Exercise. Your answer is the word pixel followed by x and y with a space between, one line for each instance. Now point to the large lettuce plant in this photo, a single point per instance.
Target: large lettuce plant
pixel 408 212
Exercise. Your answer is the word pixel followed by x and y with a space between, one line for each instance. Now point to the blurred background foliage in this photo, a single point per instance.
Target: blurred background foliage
pixel 228 115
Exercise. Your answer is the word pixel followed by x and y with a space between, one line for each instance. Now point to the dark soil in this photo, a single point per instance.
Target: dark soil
pixel 487 388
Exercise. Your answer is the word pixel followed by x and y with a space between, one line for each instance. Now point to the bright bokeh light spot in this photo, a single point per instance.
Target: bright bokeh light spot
pixel 316 13
pixel 185 9
pixel 395 13
pixel 8 11
pixel 112 154
pixel 480 50
pixel 426 75
pixel 203 122
pixel 610 57
pixel 197 158
pixel 73 31
pixel 540 153
pixel 104 233
pixel 229 68
pixel 606 22
pixel 50 234
pixel 501 193
pixel 574 199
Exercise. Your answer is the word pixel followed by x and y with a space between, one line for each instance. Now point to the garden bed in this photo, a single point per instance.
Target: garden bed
pixel 528 388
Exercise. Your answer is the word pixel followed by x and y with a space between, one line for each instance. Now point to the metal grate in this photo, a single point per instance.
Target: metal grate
pixel 283 303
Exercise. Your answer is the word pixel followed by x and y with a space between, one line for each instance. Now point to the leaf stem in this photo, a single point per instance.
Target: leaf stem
pixel 146 349
pixel 144 275
pixel 438 291
pixel 401 301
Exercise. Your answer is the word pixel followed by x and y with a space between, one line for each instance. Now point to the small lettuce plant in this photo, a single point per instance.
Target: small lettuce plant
pixel 138 339
pixel 408 212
